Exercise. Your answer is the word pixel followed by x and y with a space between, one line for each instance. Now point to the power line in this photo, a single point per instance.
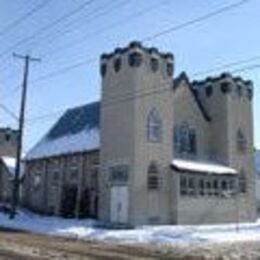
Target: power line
pixel 196 20
pixel 126 20
pixel 113 7
pixel 24 17
pixel 226 65
pixel 161 33
pixel 104 11
pixel 63 70
pixel 47 27
pixel 178 27
pixel 86 62
pixel 131 95
pixel 175 28
pixel 9 112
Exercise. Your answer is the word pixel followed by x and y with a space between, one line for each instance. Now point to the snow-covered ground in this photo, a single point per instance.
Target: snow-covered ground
pixel 88 229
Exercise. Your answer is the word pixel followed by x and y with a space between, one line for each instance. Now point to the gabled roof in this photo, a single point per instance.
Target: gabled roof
pixel 77 130
pixel 183 77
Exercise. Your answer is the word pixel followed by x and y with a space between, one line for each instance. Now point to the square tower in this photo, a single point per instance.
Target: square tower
pixel 136 135
pixel 228 100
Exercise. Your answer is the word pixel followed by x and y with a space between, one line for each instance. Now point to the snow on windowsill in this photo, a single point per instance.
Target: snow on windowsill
pixel 199 166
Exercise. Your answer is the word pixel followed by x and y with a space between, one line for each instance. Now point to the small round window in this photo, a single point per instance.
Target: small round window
pixel 117 64
pixel 103 69
pixel 169 68
pixel 154 64
pixel 135 59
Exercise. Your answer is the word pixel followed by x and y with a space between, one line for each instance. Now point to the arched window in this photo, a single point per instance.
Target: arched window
pixel 169 68
pixel 154 64
pixel 184 136
pixel 225 87
pixel 154 126
pixel 135 59
pixel 241 141
pixel 185 139
pixel 250 93
pixel 103 69
pixel 153 176
pixel 192 141
pixel 242 182
pixel 209 90
pixel 177 139
pixel 117 64
pixel 239 90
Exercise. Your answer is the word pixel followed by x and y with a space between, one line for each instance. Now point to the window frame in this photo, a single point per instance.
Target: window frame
pixel 153 179
pixel 154 127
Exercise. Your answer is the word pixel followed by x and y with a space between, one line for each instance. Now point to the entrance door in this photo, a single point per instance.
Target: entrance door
pixel 119 204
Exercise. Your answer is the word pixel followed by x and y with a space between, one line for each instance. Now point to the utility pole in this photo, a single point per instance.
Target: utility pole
pixel 16 182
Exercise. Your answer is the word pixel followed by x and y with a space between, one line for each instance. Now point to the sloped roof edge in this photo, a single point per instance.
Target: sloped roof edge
pixel 183 77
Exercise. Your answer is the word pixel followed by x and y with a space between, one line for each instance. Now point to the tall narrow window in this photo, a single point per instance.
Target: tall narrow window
pixel 153 176
pixel 154 126
pixel 201 187
pixel 192 141
pixel 185 139
pixel 242 182
pixel 241 141
pixel 184 136
pixel 177 140
pixel 183 185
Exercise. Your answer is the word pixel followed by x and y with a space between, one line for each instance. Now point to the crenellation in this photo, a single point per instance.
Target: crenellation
pixel 135 55
pixel 227 83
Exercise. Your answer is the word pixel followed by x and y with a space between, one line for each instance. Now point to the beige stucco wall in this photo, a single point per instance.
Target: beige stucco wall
pixel 186 110
pixel 124 135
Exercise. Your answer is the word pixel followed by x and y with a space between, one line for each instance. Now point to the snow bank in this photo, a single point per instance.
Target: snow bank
pixel 87 229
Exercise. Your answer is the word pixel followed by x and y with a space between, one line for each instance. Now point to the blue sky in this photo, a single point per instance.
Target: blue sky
pixel 100 27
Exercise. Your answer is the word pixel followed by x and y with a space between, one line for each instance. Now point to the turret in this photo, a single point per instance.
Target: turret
pixel 228 100
pixel 136 102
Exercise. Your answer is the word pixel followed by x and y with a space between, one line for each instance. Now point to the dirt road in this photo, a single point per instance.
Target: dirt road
pixel 22 246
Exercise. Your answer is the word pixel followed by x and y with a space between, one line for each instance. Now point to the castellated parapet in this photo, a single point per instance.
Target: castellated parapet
pixel 137 56
pixel 225 83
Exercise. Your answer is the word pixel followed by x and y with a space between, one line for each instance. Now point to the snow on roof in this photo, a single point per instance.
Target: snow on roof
pixel 9 163
pixel 76 131
pixel 196 166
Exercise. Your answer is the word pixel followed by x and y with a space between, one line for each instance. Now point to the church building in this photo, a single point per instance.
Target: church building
pixel 157 149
